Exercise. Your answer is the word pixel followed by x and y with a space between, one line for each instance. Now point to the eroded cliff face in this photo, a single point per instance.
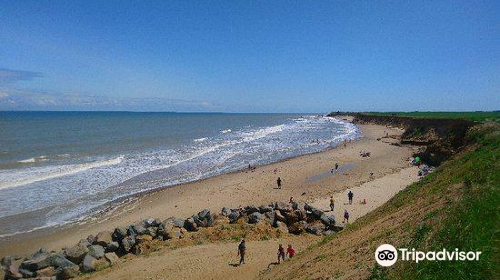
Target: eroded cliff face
pixel 442 137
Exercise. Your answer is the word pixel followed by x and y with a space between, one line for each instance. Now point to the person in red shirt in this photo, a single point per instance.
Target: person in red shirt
pixel 290 251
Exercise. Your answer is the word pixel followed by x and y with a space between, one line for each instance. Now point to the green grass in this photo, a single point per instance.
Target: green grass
pixel 470 221
pixel 472 116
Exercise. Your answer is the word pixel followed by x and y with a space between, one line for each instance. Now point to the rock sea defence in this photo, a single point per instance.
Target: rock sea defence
pixel 104 249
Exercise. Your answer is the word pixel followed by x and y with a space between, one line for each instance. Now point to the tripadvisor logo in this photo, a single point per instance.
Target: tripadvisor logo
pixel 387 255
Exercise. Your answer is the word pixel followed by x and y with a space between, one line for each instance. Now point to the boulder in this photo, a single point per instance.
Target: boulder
pixel 112 246
pixel 279 217
pixel 153 231
pixel 255 218
pixel 40 252
pixel 233 217
pixel 198 221
pixel 119 233
pixel 295 205
pixel 139 229
pixel 280 226
pixel 190 224
pixel 265 209
pixel 328 232
pixel 127 243
pixel 315 212
pixel 225 211
pixel 175 233
pixel 250 210
pixel 12 272
pixel 131 231
pixel 26 273
pixel 210 220
pixel 149 222
pixel 282 206
pixel 173 222
pixel 46 272
pixel 317 228
pixel 84 242
pixel 88 264
pixel 76 253
pixel 164 233
pixel 291 217
pixel 328 220
pixel 96 251
pixel 271 216
pixel 103 238
pixel 297 228
pixel 54 259
pixel 67 272
pixel 91 239
pixel 145 238
pixel 203 214
pixel 112 258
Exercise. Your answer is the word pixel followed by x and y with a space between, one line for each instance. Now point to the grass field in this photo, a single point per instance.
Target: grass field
pixel 472 116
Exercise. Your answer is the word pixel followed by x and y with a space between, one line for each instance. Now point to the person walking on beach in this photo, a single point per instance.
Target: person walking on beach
pixel 281 253
pixel 241 251
pixel 350 195
pixel 336 166
pixel 346 216
pixel 332 203
pixel 279 182
pixel 290 251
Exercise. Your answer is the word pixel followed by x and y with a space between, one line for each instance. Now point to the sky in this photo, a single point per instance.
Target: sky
pixel 250 56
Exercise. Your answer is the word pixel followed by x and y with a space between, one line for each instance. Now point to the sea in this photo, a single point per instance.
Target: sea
pixel 63 167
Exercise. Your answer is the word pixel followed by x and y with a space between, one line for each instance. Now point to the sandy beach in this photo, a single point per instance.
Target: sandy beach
pixel 307 178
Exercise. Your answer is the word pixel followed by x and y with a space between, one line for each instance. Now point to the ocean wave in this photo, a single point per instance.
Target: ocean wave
pixel 225 131
pixel 200 139
pixel 29 176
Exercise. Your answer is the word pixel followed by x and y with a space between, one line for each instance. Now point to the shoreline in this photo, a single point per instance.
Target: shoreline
pixel 233 189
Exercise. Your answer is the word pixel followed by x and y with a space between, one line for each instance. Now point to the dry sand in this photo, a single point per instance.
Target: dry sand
pixel 243 188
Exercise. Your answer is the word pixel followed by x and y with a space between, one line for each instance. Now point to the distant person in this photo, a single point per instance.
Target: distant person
pixel 241 251
pixel 350 195
pixel 281 253
pixel 290 251
pixel 291 199
pixel 332 203
pixel 279 182
pixel 336 166
pixel 346 216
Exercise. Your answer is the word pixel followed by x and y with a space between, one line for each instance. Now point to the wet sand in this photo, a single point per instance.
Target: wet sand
pixel 240 188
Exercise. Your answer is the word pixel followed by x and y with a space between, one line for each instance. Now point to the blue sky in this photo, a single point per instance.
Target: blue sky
pixel 250 56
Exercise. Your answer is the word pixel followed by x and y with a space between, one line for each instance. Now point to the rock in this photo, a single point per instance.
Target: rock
pixel 46 272
pixel 173 222
pixel 271 216
pixel 190 224
pixel 233 217
pixel 112 246
pixel 91 239
pixel 127 243
pixel 152 231
pixel 255 218
pixel 112 258
pixel 282 206
pixel 139 229
pixel 67 272
pixel 119 233
pixel 198 221
pixel 265 209
pixel 164 233
pixel 297 228
pixel 13 272
pixel 76 253
pixel 26 273
pixel 131 231
pixel 88 264
pixel 54 259
pixel 250 210
pixel 295 205
pixel 316 229
pixel 145 238
pixel 279 217
pixel 149 222
pixel 40 252
pixel 203 214
pixel 103 238
pixel 210 220
pixel 291 217
pixel 328 220
pixel 316 213
pixel 328 232
pixel 96 251
pixel 225 211
pixel 84 242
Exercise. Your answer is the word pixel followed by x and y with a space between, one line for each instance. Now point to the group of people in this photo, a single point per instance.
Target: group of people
pixel 350 196
pixel 290 251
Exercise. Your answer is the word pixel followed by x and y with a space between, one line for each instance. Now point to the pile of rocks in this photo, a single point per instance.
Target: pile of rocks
pixel 105 248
